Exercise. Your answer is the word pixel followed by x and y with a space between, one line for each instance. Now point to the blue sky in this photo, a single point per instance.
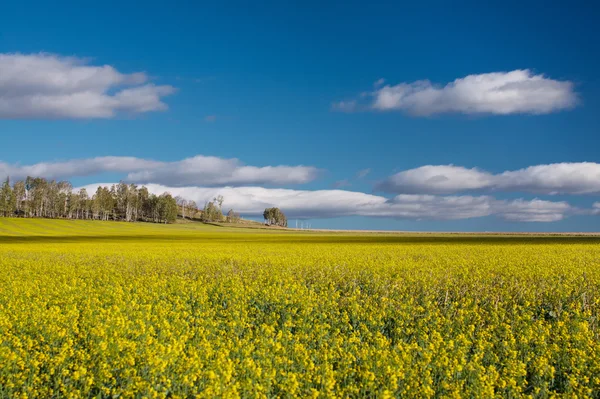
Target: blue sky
pixel 261 83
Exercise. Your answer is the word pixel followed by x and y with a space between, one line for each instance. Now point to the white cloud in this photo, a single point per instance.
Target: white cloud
pixel 596 208
pixel 551 179
pixel 501 93
pixel 76 167
pixel 337 203
pixel 436 179
pixel 534 211
pixel 558 178
pixel 204 170
pixel 55 87
pixel 412 206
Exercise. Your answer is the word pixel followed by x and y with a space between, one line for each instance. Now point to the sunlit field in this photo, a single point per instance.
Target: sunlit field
pixel 115 309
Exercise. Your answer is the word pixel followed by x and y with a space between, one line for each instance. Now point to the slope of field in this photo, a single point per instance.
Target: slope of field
pixel 109 309
pixel 86 228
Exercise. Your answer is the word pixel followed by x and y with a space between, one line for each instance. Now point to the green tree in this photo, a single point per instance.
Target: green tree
pixel 142 203
pixel 7 199
pixel 275 217
pixel 233 217
pixel 212 213
pixel 37 197
pixel 20 196
pixel 84 204
pixel 167 208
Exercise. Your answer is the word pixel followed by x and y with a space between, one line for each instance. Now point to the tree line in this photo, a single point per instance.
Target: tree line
pixel 41 198
pixel 38 197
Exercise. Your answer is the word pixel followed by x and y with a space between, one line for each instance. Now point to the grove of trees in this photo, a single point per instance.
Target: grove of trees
pixel 38 197
pixel 186 208
pixel 213 211
pixel 233 217
pixel 274 217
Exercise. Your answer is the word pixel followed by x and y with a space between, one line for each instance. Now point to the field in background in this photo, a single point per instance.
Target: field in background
pixel 96 309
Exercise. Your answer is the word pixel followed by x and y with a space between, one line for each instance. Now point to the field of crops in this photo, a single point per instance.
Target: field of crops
pixel 109 309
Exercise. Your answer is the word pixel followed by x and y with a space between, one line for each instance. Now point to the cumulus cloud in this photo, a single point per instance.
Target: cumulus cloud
pixel 252 201
pixel 501 93
pixel 596 208
pixel 200 169
pixel 436 179
pixel 76 167
pixel 558 178
pixel 551 179
pixel 534 211
pixel 55 87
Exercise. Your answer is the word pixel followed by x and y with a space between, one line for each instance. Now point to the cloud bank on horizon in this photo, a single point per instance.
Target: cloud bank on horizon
pixel 50 86
pixel 573 178
pixel 309 204
pixel 499 93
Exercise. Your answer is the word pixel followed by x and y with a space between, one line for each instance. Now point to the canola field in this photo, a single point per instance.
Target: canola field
pixel 115 310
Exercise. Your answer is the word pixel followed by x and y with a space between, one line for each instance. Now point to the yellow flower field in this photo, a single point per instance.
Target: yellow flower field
pixel 108 309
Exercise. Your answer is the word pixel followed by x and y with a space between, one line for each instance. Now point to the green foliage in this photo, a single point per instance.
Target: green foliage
pixel 186 208
pixel 232 216
pixel 212 210
pixel 7 199
pixel 275 217
pixel 37 197
pixel 167 208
